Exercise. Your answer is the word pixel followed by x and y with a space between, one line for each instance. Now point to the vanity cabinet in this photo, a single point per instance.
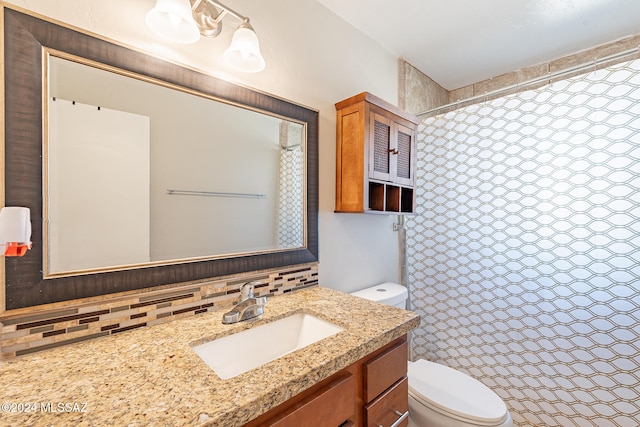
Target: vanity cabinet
pixel 371 392
pixel 375 156
pixel 386 388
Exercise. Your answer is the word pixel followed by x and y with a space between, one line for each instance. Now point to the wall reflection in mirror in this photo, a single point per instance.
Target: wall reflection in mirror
pixel 139 173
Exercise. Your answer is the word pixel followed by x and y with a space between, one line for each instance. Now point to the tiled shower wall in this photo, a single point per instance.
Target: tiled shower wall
pixel 524 260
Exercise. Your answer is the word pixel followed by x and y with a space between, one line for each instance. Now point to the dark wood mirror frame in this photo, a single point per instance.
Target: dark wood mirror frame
pixel 25 36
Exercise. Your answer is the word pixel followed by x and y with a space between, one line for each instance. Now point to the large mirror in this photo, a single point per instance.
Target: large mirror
pixel 139 173
pixel 142 173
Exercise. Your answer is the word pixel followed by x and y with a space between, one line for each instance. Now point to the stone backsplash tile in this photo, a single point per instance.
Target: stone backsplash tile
pixel 49 328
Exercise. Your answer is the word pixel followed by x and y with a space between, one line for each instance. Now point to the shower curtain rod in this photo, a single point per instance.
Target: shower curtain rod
pixel 548 76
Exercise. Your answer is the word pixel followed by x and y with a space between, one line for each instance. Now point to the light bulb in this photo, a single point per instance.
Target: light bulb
pixel 173 20
pixel 244 52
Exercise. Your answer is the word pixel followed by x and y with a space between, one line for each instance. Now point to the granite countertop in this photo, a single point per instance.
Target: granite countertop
pixel 151 376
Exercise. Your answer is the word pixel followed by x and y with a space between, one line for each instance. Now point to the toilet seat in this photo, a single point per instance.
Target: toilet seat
pixel 455 394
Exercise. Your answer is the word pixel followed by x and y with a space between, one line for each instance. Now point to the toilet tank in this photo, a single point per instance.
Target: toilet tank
pixel 386 293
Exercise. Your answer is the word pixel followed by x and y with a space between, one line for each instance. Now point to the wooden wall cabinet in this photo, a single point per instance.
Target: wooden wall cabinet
pixel 372 392
pixel 375 156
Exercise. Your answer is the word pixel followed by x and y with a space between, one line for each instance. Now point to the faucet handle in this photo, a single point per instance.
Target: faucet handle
pixel 246 291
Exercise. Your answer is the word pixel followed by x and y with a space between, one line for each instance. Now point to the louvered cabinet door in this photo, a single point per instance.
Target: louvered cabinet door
pixel 381 161
pixel 392 151
pixel 403 154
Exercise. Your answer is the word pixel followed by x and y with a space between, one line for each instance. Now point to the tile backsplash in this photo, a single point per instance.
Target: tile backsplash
pixel 45 328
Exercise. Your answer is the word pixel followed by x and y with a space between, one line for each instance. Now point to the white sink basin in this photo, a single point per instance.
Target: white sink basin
pixel 238 353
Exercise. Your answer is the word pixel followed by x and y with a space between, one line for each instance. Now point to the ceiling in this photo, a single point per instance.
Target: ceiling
pixel 459 42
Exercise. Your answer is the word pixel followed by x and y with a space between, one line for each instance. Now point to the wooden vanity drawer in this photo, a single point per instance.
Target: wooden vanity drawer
pixel 389 407
pixel 330 406
pixel 383 371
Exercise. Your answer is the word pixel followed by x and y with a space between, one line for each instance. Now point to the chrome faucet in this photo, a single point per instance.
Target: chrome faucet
pixel 247 307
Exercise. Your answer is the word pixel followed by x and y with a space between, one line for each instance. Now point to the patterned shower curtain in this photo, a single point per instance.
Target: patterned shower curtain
pixel 524 258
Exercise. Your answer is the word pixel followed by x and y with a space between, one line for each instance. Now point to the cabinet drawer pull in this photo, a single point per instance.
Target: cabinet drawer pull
pixel 399 420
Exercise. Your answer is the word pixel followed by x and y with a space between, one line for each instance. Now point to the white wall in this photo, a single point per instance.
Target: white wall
pixel 313 58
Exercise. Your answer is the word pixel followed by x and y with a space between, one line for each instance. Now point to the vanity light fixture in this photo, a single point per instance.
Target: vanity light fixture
pixel 15 231
pixel 183 21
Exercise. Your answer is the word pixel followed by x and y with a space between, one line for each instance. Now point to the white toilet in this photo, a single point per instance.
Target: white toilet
pixel 440 396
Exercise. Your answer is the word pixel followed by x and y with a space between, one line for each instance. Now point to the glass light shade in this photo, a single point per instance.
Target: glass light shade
pixel 172 19
pixel 244 52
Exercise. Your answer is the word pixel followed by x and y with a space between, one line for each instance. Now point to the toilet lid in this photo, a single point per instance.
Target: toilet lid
pixel 444 389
